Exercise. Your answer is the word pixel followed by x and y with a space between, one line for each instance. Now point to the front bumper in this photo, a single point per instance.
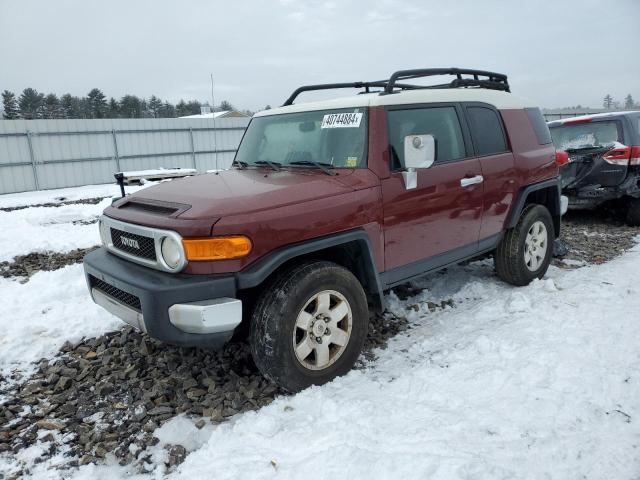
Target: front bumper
pixel 186 310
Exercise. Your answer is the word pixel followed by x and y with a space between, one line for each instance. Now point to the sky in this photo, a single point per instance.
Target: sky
pixel 558 53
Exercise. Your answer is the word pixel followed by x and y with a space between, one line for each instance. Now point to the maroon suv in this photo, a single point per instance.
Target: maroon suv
pixel 328 205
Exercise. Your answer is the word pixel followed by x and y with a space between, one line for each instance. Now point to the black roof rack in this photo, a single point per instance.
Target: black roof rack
pixel 493 81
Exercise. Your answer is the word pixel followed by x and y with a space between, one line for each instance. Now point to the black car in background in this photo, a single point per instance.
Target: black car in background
pixel 604 160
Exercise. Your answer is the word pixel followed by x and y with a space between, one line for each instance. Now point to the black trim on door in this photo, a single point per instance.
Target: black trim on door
pixel 404 273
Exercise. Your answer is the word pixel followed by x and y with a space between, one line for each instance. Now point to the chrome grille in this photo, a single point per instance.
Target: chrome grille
pixel 116 293
pixel 146 245
pixel 139 243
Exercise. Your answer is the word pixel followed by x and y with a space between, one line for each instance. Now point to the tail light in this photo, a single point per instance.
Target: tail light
pixel 635 155
pixel 562 158
pixel 618 156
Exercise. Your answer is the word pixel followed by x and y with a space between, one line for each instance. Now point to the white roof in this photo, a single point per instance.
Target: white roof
pixel 499 99
pixel 208 115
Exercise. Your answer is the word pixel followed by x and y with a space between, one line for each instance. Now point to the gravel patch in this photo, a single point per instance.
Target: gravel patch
pixel 594 237
pixel 107 395
pixel 27 265
pixel 60 202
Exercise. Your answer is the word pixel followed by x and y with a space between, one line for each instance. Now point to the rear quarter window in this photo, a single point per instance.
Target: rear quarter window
pixel 486 131
pixel 539 125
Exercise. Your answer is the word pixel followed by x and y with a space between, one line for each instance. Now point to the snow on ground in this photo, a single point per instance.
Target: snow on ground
pixel 533 382
pixel 40 315
pixel 55 196
pixel 58 229
pixel 41 229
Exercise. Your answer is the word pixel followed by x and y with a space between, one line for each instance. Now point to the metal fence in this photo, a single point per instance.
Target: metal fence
pixel 550 115
pixel 44 154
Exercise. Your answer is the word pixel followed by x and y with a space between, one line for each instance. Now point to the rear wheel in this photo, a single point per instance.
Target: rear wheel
pixel 633 212
pixel 525 250
pixel 309 326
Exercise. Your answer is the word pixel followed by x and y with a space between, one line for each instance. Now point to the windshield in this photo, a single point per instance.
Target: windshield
pixel 586 135
pixel 331 137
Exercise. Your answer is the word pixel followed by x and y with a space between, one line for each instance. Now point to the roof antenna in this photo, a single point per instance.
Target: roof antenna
pixel 215 132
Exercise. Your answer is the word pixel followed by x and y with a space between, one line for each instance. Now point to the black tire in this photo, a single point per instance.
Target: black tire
pixel 510 255
pixel 633 212
pixel 273 323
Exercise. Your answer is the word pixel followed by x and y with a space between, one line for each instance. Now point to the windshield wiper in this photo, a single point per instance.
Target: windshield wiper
pixel 274 165
pixel 240 163
pixel 586 147
pixel 321 165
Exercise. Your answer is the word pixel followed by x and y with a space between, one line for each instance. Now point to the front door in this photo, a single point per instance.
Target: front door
pixel 440 219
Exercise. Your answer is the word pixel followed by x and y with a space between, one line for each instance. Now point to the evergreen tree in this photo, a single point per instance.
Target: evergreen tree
pixel 628 102
pixel 10 105
pixel 52 106
pixel 70 106
pixel 154 106
pixel 225 106
pixel 130 107
pixel 167 111
pixel 607 102
pixel 31 104
pixel 113 110
pixel 193 107
pixel 181 109
pixel 96 104
pixel 145 108
pixel 84 108
pixel 268 107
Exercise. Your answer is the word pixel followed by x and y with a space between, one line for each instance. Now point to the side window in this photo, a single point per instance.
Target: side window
pixel 539 125
pixel 486 131
pixel 441 122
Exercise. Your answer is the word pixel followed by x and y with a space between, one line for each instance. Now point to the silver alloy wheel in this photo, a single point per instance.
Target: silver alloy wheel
pixel 322 330
pixel 535 246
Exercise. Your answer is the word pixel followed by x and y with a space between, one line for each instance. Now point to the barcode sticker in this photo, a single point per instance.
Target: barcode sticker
pixel 341 120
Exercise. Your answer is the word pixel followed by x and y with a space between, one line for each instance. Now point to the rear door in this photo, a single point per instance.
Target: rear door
pixel 598 154
pixel 441 216
pixel 497 164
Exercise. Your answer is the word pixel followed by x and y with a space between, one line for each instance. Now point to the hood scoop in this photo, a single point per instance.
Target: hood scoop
pixel 152 207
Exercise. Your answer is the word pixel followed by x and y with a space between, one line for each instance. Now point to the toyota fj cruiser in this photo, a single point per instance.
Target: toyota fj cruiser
pixel 603 161
pixel 329 204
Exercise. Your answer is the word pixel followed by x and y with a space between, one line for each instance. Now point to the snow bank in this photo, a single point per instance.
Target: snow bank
pixel 40 315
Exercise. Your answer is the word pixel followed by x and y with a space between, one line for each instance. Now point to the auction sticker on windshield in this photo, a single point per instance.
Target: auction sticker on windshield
pixel 341 120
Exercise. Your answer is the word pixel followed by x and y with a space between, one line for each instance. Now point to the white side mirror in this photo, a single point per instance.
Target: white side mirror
pixel 419 152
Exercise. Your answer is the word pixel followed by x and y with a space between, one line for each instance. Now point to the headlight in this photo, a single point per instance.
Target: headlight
pixel 104 232
pixel 171 252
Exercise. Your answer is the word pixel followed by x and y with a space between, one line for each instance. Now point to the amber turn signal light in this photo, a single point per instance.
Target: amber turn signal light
pixel 216 248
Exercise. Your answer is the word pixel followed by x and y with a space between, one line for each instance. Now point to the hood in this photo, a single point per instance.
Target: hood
pixel 237 191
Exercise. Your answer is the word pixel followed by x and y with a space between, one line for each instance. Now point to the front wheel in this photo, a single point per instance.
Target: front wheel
pixel 309 326
pixel 524 253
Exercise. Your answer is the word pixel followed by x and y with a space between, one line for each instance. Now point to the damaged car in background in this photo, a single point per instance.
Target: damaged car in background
pixel 603 162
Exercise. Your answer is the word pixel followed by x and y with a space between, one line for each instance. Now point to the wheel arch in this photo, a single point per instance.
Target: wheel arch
pixel 546 193
pixel 350 249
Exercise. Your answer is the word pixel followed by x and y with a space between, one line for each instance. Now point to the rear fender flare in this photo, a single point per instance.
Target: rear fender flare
pixel 553 192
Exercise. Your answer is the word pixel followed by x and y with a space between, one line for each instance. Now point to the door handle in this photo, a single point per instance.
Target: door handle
pixel 466 182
